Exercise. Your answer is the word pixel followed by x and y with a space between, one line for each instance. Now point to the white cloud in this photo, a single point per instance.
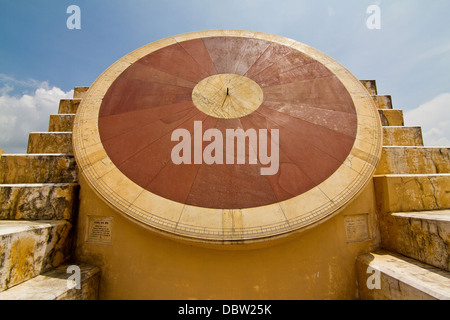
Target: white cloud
pixel 25 113
pixel 12 82
pixel 434 118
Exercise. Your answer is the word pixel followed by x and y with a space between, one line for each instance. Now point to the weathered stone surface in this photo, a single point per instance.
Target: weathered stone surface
pixel 383 102
pixel 401 278
pixel 38 168
pixel 406 193
pixel 79 92
pixel 30 248
pixel 402 136
pixel 414 160
pixel 53 286
pixel 214 99
pixel 61 122
pixel 68 106
pixel 50 142
pixel 37 201
pixel 391 117
pixel 424 236
pixel 371 86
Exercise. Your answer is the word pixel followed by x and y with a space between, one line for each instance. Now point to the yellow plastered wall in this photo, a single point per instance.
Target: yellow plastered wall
pixel 318 263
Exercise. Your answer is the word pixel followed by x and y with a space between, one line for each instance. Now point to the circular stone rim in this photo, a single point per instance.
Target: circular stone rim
pixel 227 225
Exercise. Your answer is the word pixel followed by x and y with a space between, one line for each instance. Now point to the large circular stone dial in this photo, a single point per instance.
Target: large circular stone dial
pixel 227 136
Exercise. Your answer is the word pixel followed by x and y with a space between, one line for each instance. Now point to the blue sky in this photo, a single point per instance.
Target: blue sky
pixel 41 60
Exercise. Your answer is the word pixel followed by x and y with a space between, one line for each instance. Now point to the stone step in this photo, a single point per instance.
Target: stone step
pixel 79 92
pixel 51 201
pixel 28 249
pixel 383 101
pixel 371 86
pixel 424 236
pixel 414 160
pixel 61 122
pixel 412 192
pixel 68 106
pixel 389 276
pixel 50 142
pixel 402 136
pixel 37 168
pixel 56 285
pixel 391 117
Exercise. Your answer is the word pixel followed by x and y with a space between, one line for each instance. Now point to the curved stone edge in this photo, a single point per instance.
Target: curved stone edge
pixel 223 225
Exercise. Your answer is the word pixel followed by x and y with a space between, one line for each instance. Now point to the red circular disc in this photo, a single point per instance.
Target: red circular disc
pixel 308 105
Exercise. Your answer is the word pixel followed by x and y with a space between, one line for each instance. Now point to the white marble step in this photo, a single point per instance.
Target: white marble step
pixel 371 86
pixel 42 201
pixel 61 122
pixel 68 106
pixel 414 160
pixel 79 92
pixel 383 101
pixel 29 248
pixel 50 142
pixel 391 117
pixel 424 236
pixel 412 192
pixel 402 136
pixel 389 276
pixel 38 168
pixel 58 284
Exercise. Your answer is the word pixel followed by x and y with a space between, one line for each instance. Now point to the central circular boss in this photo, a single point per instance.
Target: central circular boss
pixel 227 96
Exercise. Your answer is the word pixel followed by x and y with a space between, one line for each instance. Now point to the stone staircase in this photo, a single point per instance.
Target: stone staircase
pixel 412 186
pixel 39 196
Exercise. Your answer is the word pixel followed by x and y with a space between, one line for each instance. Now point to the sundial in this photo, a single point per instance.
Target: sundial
pixel 227 136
